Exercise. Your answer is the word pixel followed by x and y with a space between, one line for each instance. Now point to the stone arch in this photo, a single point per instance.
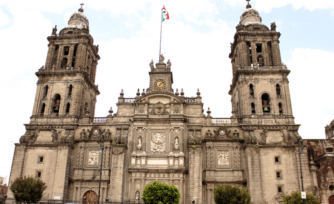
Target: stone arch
pixel 56 104
pixel 90 197
pixel 265 99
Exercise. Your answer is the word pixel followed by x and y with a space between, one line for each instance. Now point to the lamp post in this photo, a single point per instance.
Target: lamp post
pixel 101 150
pixel 301 152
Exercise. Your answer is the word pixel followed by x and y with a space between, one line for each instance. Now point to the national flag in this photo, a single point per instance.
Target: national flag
pixel 164 15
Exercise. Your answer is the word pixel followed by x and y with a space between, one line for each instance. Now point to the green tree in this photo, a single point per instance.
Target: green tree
pixel 28 189
pixel 229 194
pixel 296 198
pixel 161 193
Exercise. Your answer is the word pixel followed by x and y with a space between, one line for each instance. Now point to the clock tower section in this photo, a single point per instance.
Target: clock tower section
pixel 161 77
pixel 260 86
pixel 66 90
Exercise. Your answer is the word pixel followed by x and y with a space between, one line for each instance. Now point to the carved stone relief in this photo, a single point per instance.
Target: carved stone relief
pixel 223 158
pixel 158 143
pixel 93 158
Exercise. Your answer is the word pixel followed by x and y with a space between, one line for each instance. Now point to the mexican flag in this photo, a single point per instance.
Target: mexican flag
pixel 164 15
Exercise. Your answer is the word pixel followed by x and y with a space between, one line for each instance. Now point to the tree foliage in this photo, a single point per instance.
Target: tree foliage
pixel 228 194
pixel 28 189
pixel 296 198
pixel 161 193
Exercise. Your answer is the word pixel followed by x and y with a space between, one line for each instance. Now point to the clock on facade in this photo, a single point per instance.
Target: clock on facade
pixel 160 84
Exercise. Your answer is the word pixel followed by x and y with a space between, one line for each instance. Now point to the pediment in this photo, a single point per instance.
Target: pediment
pixel 164 98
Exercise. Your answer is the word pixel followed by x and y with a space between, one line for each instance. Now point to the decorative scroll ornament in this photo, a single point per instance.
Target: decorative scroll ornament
pixel 93 158
pixel 223 158
pixel 158 143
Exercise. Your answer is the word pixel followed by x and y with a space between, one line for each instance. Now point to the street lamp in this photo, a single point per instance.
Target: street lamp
pixel 101 150
pixel 301 152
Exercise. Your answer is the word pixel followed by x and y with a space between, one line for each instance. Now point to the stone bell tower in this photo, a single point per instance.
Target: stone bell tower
pixel 65 88
pixel 260 87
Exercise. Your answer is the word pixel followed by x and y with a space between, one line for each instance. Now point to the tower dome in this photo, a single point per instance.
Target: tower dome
pixel 250 16
pixel 78 20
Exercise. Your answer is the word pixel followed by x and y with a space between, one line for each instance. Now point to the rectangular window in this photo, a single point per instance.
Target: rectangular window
pixel 40 159
pixel 39 174
pixel 279 189
pixel 277 160
pixel 278 175
pixel 258 48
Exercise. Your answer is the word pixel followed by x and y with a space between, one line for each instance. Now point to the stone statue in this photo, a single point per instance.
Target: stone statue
pixel 261 63
pixel 139 146
pixel 176 145
pixel 83 135
pixel 137 195
pixel 273 26
pixel 41 68
pixel 151 65
pixel 264 136
pixel 54 30
pixel 209 134
pixel 169 64
pixel 108 135
pixel 161 59
pixel 54 136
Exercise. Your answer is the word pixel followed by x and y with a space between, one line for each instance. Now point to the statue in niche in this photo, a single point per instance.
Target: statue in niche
pixel 235 134
pixel 176 145
pixel 169 64
pixel 83 135
pixel 54 136
pixel 260 61
pixel 151 65
pixel 137 196
pixel 107 135
pixel 161 59
pixel 54 30
pixel 264 137
pixel 139 146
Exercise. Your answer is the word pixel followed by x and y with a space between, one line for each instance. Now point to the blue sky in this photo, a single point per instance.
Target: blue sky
pixel 196 39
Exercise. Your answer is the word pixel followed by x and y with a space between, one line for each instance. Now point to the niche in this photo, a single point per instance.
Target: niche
pixel 265 103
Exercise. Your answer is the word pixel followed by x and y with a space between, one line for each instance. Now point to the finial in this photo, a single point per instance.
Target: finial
pixel 248 5
pixel 121 94
pixel 198 93
pixel 143 92
pixel 110 111
pixel 81 9
pixel 138 93
pixel 182 93
pixel 208 112
pixel 177 92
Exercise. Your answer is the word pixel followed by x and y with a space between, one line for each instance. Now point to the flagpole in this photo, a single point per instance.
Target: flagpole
pixel 160 35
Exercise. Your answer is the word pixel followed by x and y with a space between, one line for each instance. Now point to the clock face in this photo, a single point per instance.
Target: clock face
pixel 160 84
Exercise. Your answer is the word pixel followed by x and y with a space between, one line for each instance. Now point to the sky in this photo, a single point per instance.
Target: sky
pixel 196 39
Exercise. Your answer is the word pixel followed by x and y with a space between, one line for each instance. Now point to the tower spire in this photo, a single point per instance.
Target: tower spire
pixel 248 5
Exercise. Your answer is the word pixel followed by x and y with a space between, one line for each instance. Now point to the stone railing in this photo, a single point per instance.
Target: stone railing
pixel 261 67
pixel 190 100
pixel 129 100
pixel 100 120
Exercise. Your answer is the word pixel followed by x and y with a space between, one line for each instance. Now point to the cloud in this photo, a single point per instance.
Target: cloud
pixel 267 6
pixel 4 20
pixel 310 85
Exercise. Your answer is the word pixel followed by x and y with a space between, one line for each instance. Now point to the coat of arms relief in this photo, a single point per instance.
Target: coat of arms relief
pixel 93 158
pixel 158 143
pixel 223 158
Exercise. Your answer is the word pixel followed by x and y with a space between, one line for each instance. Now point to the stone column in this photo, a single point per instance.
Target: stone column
pixel 49 56
pixel 253 46
pixel 116 175
pixel 265 54
pixel 59 54
pixel 70 56
pixel 286 90
pixel 255 179
pixel 276 53
pixel 195 175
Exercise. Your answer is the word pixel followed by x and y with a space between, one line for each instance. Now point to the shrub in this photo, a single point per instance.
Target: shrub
pixel 296 198
pixel 228 194
pixel 28 189
pixel 160 193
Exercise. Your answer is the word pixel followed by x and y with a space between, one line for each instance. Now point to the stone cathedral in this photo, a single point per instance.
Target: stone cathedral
pixel 160 134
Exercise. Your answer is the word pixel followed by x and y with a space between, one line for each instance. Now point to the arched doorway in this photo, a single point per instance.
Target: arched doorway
pixel 331 199
pixel 90 197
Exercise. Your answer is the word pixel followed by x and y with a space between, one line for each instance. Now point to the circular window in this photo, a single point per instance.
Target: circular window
pixel 331 187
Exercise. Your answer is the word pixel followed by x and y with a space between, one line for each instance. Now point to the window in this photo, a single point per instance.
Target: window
pixel 278 175
pixel 280 109
pixel 40 159
pixel 251 90
pixel 43 109
pixel 39 174
pixel 258 47
pixel 329 150
pixel 45 93
pixel 66 50
pixel 278 91
pixel 56 104
pixel 69 91
pixel 277 160
pixel 68 108
pixel 253 108
pixel 279 189
pixel 265 104
pixel 331 187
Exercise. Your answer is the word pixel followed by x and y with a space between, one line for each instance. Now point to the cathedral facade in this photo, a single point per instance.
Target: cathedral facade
pixel 160 134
